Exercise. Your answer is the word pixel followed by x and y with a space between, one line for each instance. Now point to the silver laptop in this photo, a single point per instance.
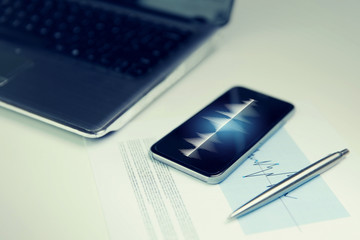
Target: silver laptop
pixel 89 66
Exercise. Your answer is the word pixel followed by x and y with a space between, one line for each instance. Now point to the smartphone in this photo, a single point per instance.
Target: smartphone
pixel 217 139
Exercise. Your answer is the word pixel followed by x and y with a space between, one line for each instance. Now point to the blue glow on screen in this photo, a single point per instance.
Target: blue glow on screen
pixel 222 132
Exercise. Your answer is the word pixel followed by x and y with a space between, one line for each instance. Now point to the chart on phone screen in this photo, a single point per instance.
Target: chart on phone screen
pixel 230 117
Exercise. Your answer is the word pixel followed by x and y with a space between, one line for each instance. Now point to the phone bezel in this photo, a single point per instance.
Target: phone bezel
pixel 219 177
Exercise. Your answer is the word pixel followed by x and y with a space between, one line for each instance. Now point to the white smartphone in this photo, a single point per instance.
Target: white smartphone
pixel 216 140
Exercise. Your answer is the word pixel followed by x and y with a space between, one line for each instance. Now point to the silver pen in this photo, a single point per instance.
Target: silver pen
pixel 290 183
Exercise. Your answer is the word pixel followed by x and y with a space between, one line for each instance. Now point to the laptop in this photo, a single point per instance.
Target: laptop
pixel 90 66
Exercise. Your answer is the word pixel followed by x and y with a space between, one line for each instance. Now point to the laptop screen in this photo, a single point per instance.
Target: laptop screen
pixel 214 11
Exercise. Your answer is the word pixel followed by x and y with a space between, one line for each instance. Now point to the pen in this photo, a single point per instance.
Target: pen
pixel 290 183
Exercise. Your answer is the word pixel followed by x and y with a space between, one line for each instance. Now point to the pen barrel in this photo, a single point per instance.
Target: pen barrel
pixel 308 173
pixel 290 183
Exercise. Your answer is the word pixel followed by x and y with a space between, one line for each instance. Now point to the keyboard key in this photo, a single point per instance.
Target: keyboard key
pixel 122 43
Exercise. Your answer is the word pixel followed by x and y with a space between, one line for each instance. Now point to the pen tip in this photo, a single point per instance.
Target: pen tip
pixel 230 217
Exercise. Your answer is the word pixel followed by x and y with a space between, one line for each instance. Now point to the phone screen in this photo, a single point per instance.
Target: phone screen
pixel 220 134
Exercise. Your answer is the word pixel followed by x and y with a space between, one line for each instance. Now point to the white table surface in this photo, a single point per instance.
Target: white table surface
pixel 305 52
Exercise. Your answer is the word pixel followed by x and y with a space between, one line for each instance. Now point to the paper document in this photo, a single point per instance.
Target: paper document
pixel 145 199
pixel 274 161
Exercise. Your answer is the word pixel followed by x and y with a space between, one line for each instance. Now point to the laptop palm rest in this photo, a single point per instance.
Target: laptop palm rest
pixel 12 64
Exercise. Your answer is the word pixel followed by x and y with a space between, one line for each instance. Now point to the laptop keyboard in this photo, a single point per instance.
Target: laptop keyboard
pixel 121 43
